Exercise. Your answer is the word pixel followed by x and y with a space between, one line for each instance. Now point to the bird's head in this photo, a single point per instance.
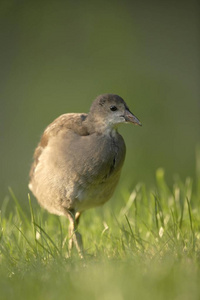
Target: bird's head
pixel 109 110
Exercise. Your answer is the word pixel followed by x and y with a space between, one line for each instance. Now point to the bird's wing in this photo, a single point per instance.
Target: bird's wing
pixel 71 121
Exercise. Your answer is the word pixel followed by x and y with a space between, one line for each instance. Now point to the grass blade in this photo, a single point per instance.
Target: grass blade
pixel 49 238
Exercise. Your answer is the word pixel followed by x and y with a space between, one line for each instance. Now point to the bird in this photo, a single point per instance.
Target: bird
pixel 77 163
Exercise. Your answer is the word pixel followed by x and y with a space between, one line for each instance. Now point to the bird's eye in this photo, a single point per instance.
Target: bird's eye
pixel 113 108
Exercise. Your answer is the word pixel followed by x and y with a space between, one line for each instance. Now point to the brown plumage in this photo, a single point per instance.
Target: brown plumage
pixel 78 161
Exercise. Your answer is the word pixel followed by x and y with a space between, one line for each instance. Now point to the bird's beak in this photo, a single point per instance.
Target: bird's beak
pixel 129 117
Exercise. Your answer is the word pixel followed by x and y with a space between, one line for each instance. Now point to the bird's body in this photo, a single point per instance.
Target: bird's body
pixel 78 161
pixel 76 169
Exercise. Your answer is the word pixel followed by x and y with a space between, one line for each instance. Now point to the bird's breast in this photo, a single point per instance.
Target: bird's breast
pixel 98 171
pixel 99 156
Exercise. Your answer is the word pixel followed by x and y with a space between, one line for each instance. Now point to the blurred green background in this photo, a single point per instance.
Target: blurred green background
pixel 57 56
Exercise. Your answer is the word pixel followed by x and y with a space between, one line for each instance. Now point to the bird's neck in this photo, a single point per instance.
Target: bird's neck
pixel 101 127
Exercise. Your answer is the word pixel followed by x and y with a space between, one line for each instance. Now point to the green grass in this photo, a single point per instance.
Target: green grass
pixel 142 245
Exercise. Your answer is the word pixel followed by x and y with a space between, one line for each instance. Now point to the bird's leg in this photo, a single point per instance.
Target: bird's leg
pixel 74 235
pixel 77 217
pixel 70 236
